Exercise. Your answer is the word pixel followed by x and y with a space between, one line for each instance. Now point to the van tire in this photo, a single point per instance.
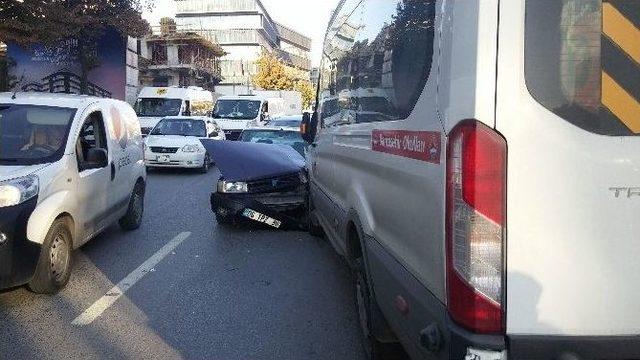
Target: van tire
pixel 133 218
pixel 365 308
pixel 313 225
pixel 207 163
pixel 55 263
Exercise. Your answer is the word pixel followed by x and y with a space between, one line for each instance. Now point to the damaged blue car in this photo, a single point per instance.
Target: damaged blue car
pixel 264 183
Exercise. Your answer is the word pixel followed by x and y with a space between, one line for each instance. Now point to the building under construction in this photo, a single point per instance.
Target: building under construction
pixel 177 58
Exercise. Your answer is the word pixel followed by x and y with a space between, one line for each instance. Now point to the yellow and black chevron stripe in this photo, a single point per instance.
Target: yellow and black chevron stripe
pixel 621 61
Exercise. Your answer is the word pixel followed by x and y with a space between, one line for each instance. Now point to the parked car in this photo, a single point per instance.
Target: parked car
pixel 175 143
pixel 70 166
pixel 292 121
pixel 492 212
pixel 260 182
pixel 270 135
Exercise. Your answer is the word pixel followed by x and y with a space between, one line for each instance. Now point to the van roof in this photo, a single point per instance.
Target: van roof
pixel 172 92
pixel 48 99
pixel 241 97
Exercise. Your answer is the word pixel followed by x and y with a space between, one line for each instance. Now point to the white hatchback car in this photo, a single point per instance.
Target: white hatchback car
pixel 175 142
pixel 70 166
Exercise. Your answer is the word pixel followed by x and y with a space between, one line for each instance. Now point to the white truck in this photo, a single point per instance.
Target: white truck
pixel 155 103
pixel 238 112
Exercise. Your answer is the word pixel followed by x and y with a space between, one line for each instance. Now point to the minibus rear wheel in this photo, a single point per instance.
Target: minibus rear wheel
pixel 54 265
pixel 365 303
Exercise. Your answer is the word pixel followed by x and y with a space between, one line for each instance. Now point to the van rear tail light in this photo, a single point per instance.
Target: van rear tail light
pixel 476 202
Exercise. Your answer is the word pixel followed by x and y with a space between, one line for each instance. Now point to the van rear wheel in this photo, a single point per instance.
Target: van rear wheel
pixel 133 218
pixel 365 303
pixel 54 265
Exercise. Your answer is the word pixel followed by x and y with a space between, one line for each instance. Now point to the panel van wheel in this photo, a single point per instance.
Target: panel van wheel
pixel 54 265
pixel 374 349
pixel 312 220
pixel 133 218
pixel 207 163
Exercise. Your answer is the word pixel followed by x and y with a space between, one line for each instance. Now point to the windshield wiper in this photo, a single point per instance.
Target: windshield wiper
pixel 9 159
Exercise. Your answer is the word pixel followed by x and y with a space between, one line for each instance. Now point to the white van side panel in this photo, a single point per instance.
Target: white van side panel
pixel 572 245
pixel 466 88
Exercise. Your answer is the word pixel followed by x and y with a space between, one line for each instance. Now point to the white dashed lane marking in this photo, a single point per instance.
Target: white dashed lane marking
pixel 100 306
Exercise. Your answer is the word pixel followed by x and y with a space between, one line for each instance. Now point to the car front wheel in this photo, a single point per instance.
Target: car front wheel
pixel 54 265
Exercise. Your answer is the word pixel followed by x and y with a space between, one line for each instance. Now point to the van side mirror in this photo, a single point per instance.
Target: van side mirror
pixel 308 127
pixel 96 159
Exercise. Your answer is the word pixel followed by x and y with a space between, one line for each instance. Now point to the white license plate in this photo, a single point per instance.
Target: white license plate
pixel 256 216
pixel 164 158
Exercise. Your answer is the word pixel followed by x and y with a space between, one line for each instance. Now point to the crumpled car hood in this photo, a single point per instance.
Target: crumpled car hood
pixel 243 161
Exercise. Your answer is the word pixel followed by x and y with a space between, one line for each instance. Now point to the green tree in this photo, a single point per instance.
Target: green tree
pixel 46 22
pixel 308 93
pixel 273 74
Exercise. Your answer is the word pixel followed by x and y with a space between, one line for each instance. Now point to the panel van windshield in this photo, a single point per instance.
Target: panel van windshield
pixel 158 107
pixel 236 109
pixel 31 134
pixel 580 64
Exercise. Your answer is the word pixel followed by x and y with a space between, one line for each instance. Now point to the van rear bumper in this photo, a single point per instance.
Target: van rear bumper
pixel 574 348
pixel 18 256
pixel 545 347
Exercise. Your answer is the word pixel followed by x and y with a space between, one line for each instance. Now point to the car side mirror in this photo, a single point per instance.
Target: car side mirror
pixel 213 134
pixel 96 159
pixel 308 127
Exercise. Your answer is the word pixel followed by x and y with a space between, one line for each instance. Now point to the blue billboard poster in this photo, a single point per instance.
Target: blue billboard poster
pixel 56 68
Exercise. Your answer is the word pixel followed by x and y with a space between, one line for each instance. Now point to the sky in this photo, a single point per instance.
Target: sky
pixel 309 17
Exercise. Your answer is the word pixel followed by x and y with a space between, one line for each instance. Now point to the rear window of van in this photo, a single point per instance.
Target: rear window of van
pixel 582 61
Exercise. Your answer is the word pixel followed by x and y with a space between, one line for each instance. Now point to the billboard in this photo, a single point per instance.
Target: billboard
pixel 56 68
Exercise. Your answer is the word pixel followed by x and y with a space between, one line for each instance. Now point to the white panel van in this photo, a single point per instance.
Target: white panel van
pixel 477 163
pixel 155 103
pixel 70 166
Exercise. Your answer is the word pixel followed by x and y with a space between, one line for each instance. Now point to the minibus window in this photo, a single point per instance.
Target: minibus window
pixel 31 134
pixel 582 62
pixel 377 59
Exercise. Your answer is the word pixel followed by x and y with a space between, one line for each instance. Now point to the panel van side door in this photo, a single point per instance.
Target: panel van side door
pixel 92 184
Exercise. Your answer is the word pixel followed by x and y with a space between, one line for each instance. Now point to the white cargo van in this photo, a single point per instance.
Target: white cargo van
pixel 490 210
pixel 236 113
pixel 154 103
pixel 70 166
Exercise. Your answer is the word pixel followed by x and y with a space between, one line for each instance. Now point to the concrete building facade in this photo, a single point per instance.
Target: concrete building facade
pixel 245 30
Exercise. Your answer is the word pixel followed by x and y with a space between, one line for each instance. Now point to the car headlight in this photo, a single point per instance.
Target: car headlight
pixel 233 187
pixel 191 149
pixel 17 191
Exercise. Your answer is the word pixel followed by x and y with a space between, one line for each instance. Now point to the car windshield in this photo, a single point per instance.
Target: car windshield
pixel 280 137
pixel 181 127
pixel 158 107
pixel 286 122
pixel 236 109
pixel 31 134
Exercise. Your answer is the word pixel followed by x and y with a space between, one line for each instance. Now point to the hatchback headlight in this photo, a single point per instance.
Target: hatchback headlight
pixel 233 187
pixel 191 149
pixel 17 191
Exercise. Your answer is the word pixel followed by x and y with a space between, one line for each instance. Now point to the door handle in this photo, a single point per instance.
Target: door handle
pixel 113 171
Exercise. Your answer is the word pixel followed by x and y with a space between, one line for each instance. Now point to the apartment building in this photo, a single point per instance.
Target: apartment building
pixel 244 29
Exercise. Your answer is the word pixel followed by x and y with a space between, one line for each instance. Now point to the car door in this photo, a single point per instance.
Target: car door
pixel 93 184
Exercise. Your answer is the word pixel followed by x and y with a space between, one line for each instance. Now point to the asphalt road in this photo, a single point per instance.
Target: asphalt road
pixel 222 293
